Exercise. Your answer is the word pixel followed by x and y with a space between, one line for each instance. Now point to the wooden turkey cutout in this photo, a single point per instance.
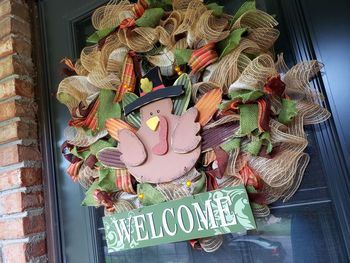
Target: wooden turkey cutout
pixel 165 147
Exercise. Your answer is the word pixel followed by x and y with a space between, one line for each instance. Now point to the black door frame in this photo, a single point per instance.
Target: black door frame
pixel 52 212
pixel 300 36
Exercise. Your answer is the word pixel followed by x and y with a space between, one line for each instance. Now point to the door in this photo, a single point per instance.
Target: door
pixel 313 226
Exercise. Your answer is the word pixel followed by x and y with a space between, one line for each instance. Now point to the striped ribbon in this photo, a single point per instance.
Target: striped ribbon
pixel 123 181
pixel 263 115
pixel 104 199
pixel 138 9
pixel 90 121
pixel 128 82
pixel 203 57
pixel 73 170
pixel 127 22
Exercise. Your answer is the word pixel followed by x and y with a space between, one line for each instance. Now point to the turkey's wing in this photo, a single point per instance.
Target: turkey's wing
pixel 132 149
pixel 184 138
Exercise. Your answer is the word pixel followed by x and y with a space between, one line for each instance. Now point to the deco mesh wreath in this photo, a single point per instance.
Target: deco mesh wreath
pixel 175 98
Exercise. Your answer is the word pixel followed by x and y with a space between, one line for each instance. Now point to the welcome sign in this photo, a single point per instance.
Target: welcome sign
pixel 207 214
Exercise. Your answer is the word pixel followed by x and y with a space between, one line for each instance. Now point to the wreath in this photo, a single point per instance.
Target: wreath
pixel 175 98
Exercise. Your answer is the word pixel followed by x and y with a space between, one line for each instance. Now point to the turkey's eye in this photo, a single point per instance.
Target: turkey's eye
pixel 151 113
pixel 158 111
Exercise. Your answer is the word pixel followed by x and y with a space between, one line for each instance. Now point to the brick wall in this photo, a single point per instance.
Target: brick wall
pixel 22 220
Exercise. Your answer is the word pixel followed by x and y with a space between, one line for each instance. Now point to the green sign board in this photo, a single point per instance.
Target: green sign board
pixel 207 214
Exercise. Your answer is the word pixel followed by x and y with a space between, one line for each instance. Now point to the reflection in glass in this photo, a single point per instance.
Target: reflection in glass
pixel 303 234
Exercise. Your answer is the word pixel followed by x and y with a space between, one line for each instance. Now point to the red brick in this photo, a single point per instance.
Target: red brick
pixel 19 202
pixel 12 44
pixel 12 25
pixel 14 86
pixel 34 224
pixel 18 153
pixel 23 252
pixel 18 130
pixel 20 178
pixel 19 227
pixel 14 8
pixel 15 64
pixel 15 108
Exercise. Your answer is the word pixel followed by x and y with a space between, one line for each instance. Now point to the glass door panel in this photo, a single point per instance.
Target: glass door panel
pixel 303 229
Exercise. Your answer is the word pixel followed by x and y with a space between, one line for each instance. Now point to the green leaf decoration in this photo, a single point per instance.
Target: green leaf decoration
pixel 182 56
pixel 89 199
pixel 248 118
pixel 107 108
pixel 150 17
pixel 133 117
pixel 288 111
pixel 181 102
pixel 247 6
pixel 165 4
pixel 99 34
pixel 107 180
pixel 99 145
pixel 151 195
pixel 231 42
pixel 246 95
pixel 218 10
pixel 231 144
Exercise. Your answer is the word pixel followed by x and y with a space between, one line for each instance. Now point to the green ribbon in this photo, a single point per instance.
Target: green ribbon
pixel 231 42
pixel 107 108
pixel 150 17
pixel 248 118
pixel 151 195
pixel 232 144
pixel 165 4
pixel 288 111
pixel 218 10
pixel 107 180
pixel 82 155
pixel 133 117
pixel 99 145
pixel 247 6
pixel 245 95
pixel 200 185
pixel 182 56
pixel 255 145
pixel 99 34
pixel 181 102
pixel 89 199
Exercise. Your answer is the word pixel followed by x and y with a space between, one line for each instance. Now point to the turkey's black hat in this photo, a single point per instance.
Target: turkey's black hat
pixel 158 92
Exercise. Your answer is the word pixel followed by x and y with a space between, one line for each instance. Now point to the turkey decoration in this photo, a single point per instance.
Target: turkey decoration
pixel 166 146
pixel 175 98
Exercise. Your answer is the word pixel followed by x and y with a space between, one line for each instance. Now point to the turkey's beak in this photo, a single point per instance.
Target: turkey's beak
pixel 153 123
